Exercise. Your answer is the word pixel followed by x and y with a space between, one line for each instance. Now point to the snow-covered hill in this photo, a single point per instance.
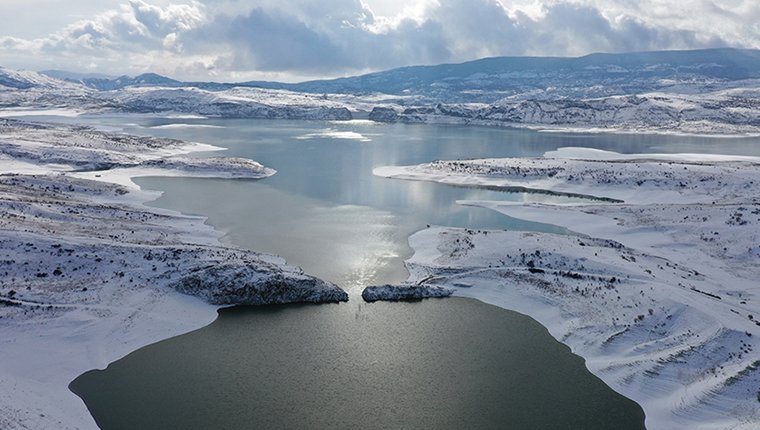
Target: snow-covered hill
pixel 598 75
pixel 489 80
pixel 23 80
pixel 726 111
pixel 24 90
pixel 699 92
pixel 90 274
pixel 658 292
pixel 232 103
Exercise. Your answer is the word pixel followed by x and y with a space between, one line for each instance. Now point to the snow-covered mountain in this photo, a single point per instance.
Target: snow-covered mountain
pixel 150 93
pixel 146 79
pixel 74 76
pixel 703 91
pixel 24 80
pixel 492 79
pixel 26 90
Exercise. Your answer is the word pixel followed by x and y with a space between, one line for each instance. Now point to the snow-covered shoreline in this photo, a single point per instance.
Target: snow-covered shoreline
pixel 659 294
pixel 682 106
pixel 639 123
pixel 91 274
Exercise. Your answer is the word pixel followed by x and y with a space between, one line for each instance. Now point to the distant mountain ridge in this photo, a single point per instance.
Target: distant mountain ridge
pixel 506 72
pixel 108 84
pixel 490 79
pixel 713 91
pixel 74 76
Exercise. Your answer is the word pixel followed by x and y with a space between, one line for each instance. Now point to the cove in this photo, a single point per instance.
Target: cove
pixel 445 364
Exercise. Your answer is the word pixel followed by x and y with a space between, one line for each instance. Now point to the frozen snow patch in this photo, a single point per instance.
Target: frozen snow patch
pixel 334 134
pixel 68 113
pixel 181 126
pixel 578 153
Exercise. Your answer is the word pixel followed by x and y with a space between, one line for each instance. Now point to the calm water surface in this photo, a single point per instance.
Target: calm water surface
pixel 435 364
pixel 326 212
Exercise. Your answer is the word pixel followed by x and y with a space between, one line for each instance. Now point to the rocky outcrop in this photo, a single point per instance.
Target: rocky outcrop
pixel 403 292
pixel 228 167
pixel 383 114
pixel 255 282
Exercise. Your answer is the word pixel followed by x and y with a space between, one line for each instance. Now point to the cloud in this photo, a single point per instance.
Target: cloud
pixel 135 26
pixel 230 39
pixel 352 40
pixel 578 29
pixel 275 40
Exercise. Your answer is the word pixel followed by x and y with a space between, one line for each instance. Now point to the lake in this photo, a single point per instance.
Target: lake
pixel 433 364
pixel 438 364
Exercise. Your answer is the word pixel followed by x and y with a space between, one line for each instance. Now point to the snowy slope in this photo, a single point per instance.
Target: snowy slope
pixel 89 274
pixel 658 293
pixel 25 80
pixel 696 92
pixel 234 103
pixel 597 75
pixel 31 90
pixel 729 111
pixel 490 79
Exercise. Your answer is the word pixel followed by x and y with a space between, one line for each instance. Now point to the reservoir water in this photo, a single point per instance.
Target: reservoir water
pixel 325 211
pixel 434 364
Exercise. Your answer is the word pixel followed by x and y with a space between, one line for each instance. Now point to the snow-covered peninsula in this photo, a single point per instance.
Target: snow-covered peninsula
pixel 658 293
pixel 90 274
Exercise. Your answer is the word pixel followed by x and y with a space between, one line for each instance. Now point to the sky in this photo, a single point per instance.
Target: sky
pixel 295 40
